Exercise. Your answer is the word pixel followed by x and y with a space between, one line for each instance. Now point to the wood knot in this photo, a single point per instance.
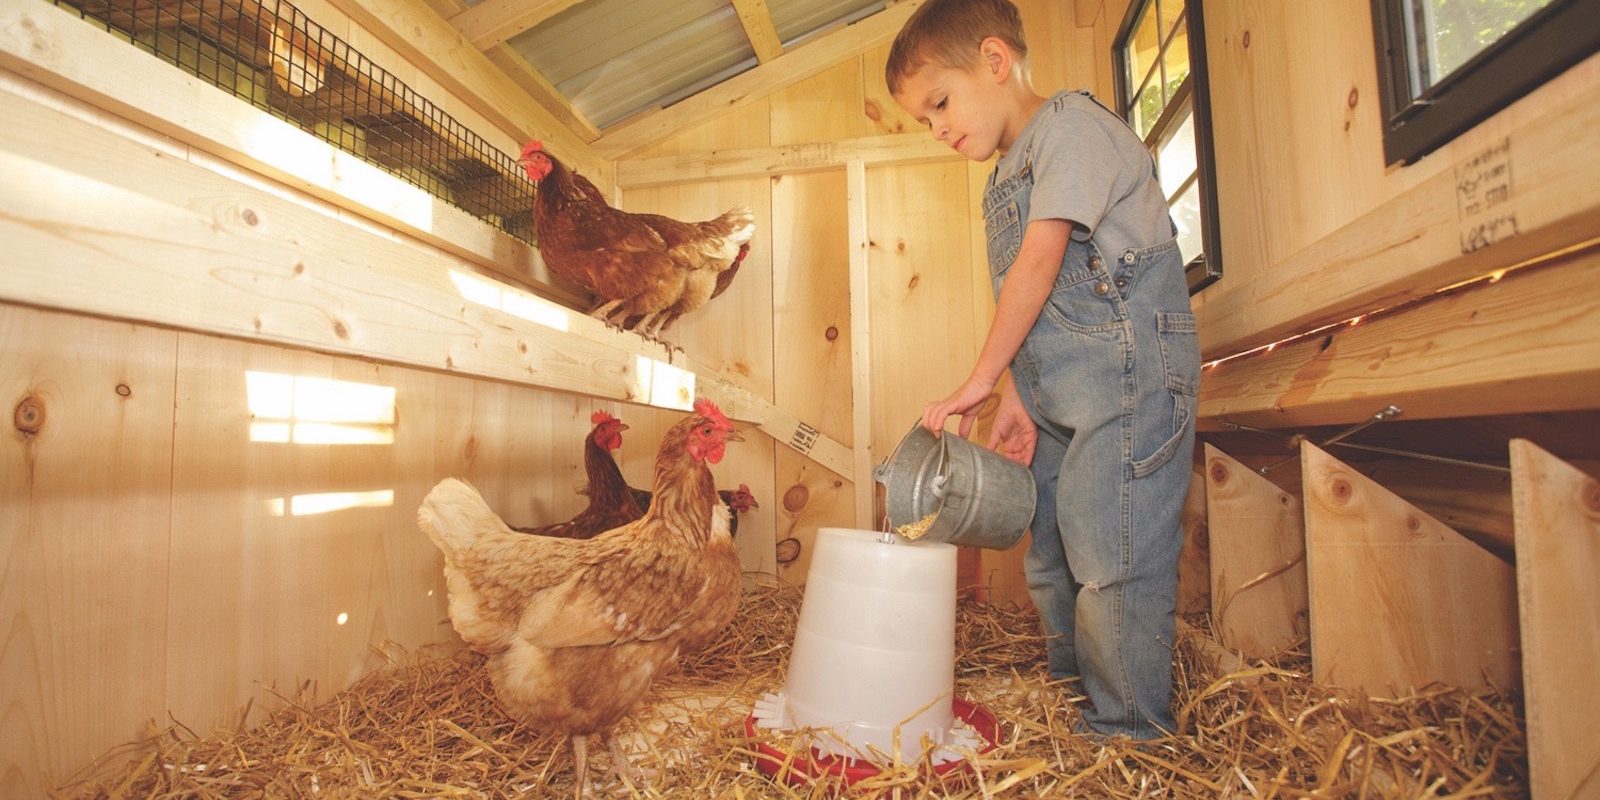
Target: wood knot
pixel 340 329
pixel 1413 525
pixel 123 390
pixel 1246 40
pixel 831 333
pixel 1218 472
pixel 838 484
pixel 901 246
pixel 522 347
pixel 471 450
pixel 1342 490
pixel 29 416
pixel 873 112
pixel 916 278
pixel 299 267
pixel 1354 95
pixel 796 498
pixel 249 217
pixel 788 550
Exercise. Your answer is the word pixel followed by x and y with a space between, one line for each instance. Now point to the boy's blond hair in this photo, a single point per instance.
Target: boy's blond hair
pixel 948 33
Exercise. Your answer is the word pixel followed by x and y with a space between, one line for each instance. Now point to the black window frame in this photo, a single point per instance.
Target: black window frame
pixel 1542 46
pixel 1206 268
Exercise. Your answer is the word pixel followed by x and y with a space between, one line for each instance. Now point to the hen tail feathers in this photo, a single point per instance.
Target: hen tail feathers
pixel 455 516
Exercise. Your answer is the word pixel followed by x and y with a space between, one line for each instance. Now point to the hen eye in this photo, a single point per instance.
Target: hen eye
pixel 939 106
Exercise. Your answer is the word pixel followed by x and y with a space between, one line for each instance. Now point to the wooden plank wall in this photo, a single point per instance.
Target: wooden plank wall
pixel 930 301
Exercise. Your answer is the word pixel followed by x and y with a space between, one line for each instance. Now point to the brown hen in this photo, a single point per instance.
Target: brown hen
pixel 576 629
pixel 612 503
pixel 646 269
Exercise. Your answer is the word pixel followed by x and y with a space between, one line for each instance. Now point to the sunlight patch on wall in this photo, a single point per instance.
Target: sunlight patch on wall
pixel 304 505
pixel 306 410
pixel 662 385
pixel 517 303
pixel 283 146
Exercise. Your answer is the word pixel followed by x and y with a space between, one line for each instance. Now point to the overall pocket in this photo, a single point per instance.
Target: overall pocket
pixel 1180 367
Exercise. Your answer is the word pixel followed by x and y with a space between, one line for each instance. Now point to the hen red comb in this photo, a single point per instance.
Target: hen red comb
pixel 532 147
pixel 709 410
pixel 601 416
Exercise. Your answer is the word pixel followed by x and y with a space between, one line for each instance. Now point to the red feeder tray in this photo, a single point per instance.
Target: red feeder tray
pixel 802 771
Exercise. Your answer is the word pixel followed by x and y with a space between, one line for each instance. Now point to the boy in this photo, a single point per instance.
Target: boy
pixel 1092 316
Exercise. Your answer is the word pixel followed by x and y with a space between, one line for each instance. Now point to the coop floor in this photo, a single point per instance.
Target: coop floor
pixel 429 726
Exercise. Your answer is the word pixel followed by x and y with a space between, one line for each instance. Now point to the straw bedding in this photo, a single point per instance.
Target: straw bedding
pixel 428 726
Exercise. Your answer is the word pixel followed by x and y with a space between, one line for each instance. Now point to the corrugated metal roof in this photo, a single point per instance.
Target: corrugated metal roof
pixel 615 58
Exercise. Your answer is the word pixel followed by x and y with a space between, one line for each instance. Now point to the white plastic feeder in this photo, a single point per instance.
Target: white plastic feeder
pixel 872 671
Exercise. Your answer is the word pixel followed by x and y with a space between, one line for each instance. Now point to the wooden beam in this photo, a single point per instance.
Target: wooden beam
pixel 1520 345
pixel 1258 559
pixel 1398 600
pixel 426 40
pixel 873 151
pixel 757 22
pixel 1558 583
pixel 545 93
pixel 860 344
pixel 106 225
pixel 786 70
pixel 492 22
pixel 81 70
pixel 1373 262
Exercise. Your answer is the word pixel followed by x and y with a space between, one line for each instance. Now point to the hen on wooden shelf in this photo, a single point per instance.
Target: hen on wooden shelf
pixel 645 269
pixel 576 629
pixel 612 501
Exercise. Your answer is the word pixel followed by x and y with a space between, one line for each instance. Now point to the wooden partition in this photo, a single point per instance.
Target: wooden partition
pixel 1398 600
pixel 1558 586
pixel 1258 552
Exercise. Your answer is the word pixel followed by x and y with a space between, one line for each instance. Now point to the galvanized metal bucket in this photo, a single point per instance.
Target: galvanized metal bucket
pixel 981 498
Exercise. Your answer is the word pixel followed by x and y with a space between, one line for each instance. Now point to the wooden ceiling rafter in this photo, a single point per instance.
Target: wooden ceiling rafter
pixel 757 21
pixel 494 22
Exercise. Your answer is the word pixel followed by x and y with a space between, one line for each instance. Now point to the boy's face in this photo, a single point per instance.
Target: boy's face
pixel 964 108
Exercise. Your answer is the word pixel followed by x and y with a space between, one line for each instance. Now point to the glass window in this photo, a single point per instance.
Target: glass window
pixel 1162 93
pixel 1445 65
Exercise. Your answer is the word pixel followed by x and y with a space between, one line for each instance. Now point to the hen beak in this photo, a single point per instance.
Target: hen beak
pixel 622 426
pixel 735 436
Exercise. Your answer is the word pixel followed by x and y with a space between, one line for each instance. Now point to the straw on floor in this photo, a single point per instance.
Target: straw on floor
pixel 428 725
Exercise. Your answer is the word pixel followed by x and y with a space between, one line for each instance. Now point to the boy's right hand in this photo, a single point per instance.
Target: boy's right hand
pixel 1014 433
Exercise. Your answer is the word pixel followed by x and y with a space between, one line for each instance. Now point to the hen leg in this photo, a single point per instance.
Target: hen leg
pixel 580 769
pixel 630 773
pixel 604 311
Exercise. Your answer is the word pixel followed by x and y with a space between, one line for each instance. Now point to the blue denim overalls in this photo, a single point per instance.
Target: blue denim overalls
pixel 1109 373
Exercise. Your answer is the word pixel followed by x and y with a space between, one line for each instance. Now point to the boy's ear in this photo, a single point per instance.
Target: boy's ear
pixel 996 55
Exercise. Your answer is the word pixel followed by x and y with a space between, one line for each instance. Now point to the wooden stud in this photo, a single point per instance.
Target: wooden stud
pixel 492 22
pixel 1558 584
pixel 255 265
pixel 1519 345
pixel 755 84
pixel 1258 559
pixel 1398 600
pixel 757 22
pixel 860 343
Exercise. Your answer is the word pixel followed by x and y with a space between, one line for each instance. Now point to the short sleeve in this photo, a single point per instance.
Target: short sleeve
pixel 1076 171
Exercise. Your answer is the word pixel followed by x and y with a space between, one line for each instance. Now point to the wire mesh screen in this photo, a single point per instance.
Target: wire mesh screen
pixel 271 55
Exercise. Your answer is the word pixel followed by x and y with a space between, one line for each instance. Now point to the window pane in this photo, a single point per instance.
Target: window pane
pixel 1453 31
pixel 1175 160
pixel 1170 11
pixel 1186 215
pixel 1144 48
pixel 1177 57
pixel 1147 109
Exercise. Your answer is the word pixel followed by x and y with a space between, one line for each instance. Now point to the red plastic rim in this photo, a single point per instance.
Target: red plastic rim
pixel 801 771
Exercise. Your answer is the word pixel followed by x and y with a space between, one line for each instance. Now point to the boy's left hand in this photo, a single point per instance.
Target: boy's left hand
pixel 1013 434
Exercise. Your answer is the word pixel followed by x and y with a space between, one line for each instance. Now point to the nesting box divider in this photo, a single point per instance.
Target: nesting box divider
pixel 1258 549
pixel 1557 511
pixel 1194 560
pixel 1399 600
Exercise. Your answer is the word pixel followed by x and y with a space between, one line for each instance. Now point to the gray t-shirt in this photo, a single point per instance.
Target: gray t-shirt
pixel 1090 168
